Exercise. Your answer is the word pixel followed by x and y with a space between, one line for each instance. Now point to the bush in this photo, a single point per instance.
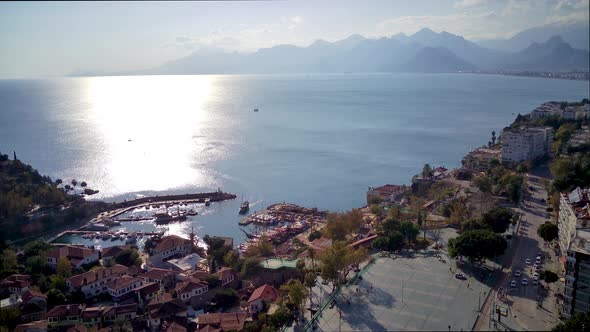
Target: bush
pixel 548 231
pixel 314 235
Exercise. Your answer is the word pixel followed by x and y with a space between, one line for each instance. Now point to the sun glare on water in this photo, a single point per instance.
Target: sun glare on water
pixel 147 125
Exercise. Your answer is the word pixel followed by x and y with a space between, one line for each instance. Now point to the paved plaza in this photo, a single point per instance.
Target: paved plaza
pixel 418 293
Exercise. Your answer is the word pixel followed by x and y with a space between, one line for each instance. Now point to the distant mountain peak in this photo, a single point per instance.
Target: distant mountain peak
pixel 425 32
pixel 555 40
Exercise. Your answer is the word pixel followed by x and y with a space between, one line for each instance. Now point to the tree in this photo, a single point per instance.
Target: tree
pixel 427 171
pixel 340 225
pixel 9 318
pixel 58 282
pixel 279 317
pixel 35 248
pixel 35 265
pixel 577 322
pixel 477 245
pixel 250 267
pixel 436 233
pixel 231 259
pixel 483 183
pixel 262 248
pixel 493 137
pixel 128 257
pixel 498 219
pixel 297 293
pixel 548 231
pixel 312 254
pixel 409 230
pixel 226 297
pixel 9 261
pixel 64 268
pixel 55 297
pixel 338 260
pixel 388 227
pixel 310 282
pixel 549 276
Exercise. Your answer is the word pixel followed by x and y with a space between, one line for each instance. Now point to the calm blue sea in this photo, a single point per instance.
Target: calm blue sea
pixel 317 140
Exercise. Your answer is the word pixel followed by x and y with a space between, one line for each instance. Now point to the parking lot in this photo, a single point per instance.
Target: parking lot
pixel 419 293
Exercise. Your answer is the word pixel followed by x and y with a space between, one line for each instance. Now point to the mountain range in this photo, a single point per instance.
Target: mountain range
pixel 424 51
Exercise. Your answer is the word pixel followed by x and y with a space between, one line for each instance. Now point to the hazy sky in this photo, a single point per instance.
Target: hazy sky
pixel 57 38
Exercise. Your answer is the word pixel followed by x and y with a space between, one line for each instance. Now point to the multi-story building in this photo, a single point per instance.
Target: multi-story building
pixel 547 109
pixel 171 246
pixel 124 285
pixel 93 283
pixel 574 243
pixel 16 283
pixel 525 143
pixel 190 288
pixel 76 255
pixel 164 278
pixel 479 159
pixel 390 193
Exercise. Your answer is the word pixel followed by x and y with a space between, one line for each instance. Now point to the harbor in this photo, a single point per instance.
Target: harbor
pixel 134 221
pixel 280 222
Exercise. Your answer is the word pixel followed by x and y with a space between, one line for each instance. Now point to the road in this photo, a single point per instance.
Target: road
pixel 521 301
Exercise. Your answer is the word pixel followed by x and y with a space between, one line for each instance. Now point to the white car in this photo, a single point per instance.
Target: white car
pixel 538 260
pixel 536 275
pixel 528 261
pixel 513 284
pixel 517 273
pixel 535 281
pixel 524 282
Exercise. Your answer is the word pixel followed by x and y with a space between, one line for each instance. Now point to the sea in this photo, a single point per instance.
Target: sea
pixel 318 140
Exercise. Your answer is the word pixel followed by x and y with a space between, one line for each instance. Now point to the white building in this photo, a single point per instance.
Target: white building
pixel 574 243
pixel 547 109
pixel 190 288
pixel 526 143
pixel 171 246
pixel 93 283
pixel 76 255
pixel 124 285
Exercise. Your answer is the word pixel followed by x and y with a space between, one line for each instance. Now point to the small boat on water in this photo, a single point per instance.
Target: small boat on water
pixel 192 212
pixel 207 201
pixel 164 218
pixel 255 110
pixel 244 207
pixel 106 236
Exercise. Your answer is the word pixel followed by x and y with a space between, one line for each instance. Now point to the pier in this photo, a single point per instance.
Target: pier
pixel 116 209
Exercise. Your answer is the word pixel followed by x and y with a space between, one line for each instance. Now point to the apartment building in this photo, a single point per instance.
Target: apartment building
pixel 574 243
pixel 526 143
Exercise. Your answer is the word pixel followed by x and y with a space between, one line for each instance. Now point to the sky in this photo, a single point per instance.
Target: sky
pixel 47 39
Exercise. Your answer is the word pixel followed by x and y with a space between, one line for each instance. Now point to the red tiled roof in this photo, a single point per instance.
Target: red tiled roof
pixel 122 282
pixel 169 242
pixel 71 252
pixel 265 292
pixel 225 321
pixel 30 294
pixel 120 309
pixel 189 285
pixel 92 276
pixel 224 271
pixel 148 288
pixel 367 239
pixel 66 310
pixel 114 250
pixel 40 324
pixel 157 274
pixel 175 327
pixel 162 298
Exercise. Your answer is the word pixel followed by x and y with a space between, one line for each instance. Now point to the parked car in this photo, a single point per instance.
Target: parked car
pixel 528 261
pixel 517 273
pixel 460 276
pixel 536 275
pixel 513 284
pixel 524 282
pixel 535 282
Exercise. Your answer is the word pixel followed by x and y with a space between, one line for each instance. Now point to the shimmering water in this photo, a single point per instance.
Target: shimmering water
pixel 318 140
